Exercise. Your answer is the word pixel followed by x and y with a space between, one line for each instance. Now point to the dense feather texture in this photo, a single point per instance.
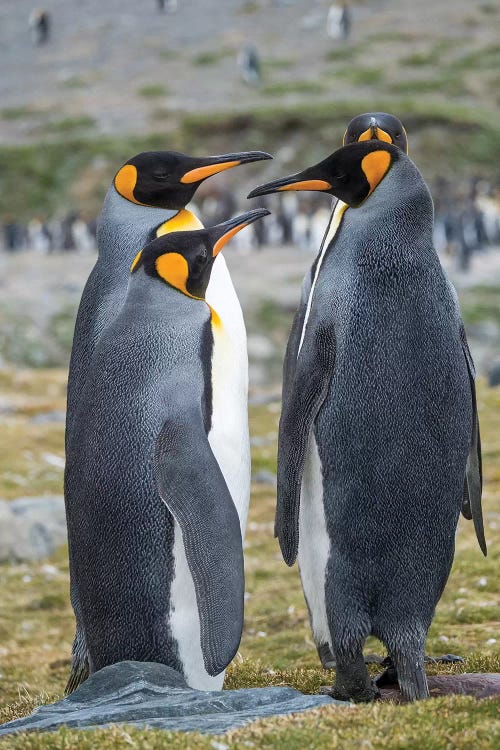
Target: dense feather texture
pixel 393 430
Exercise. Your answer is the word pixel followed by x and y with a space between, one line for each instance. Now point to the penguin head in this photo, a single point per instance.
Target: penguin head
pixel 351 173
pixel 376 126
pixel 168 179
pixel 184 260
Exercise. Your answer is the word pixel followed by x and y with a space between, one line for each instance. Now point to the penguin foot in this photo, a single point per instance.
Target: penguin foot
pixel 367 695
pixel 327 658
pixel 389 676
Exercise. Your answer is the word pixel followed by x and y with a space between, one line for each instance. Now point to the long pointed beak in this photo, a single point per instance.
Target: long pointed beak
pixel 215 164
pixel 222 233
pixel 301 181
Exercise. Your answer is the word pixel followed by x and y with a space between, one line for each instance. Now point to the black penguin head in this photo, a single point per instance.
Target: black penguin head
pixel 377 126
pixel 168 179
pixel 184 260
pixel 352 173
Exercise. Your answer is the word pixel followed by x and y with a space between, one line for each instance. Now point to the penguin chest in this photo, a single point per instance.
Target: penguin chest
pixel 228 435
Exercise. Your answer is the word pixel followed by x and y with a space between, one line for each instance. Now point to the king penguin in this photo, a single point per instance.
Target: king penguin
pixel 156 523
pixel 369 126
pixel 147 199
pixel 379 435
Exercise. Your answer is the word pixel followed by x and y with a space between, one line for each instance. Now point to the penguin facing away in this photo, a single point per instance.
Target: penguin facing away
pixel 147 199
pixel 379 435
pixel 160 581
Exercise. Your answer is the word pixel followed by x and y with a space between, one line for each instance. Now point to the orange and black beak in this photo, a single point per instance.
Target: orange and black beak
pixel 222 233
pixel 312 178
pixel 169 179
pixel 205 167
pixel 351 173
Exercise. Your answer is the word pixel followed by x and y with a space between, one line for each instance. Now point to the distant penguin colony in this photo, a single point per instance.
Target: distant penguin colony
pixel 378 447
pixel 379 438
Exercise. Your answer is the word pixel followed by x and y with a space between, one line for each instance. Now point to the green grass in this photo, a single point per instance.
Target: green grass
pixel 17 113
pixel 38 178
pixel 293 87
pixel 211 57
pixel 67 125
pixel 152 91
pixel 36 621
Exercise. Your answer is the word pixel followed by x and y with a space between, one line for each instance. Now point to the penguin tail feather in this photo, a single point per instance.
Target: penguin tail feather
pixel 411 677
pixel 79 673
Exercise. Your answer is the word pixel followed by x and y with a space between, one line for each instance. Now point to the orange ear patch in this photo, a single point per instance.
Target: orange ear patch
pixel 375 166
pixel 173 268
pixel 183 221
pixel 125 182
pixel 307 185
pixel 200 173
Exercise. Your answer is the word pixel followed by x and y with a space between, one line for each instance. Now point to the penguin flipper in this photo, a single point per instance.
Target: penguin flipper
pixel 471 503
pixel 193 488
pixel 303 395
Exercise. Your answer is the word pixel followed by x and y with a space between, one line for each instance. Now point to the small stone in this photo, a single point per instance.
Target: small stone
pixel 261 634
pixel 27 579
pixel 291 609
pixel 483 581
pixel 491 641
pixel 443 638
pixel 219 745
pixel 53 460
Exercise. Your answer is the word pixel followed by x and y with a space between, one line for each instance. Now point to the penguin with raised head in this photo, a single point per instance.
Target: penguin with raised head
pixel 379 436
pixel 147 199
pixel 161 581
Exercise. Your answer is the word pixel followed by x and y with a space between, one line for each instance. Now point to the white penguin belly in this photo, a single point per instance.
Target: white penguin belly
pixel 314 544
pixel 327 240
pixel 230 443
pixel 185 622
pixel 228 436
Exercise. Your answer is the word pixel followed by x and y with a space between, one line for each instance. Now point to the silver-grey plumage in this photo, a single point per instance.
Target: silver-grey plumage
pixel 383 382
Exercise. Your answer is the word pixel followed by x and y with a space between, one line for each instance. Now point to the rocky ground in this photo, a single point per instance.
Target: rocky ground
pixel 114 67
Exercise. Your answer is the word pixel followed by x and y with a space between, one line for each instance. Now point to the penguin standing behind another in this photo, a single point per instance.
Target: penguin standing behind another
pixel 161 581
pixel 147 199
pixel 379 436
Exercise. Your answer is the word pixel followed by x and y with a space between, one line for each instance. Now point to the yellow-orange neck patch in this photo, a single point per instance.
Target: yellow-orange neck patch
pixel 200 173
pixel 135 261
pixel 125 182
pixel 375 166
pixel 183 221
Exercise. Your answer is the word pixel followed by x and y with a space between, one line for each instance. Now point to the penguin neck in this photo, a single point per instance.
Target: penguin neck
pixel 148 293
pixel 396 223
pixel 125 227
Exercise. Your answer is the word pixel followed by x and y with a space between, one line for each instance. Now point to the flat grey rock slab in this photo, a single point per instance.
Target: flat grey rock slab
pixel 152 695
